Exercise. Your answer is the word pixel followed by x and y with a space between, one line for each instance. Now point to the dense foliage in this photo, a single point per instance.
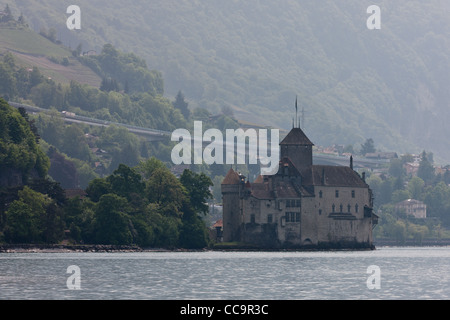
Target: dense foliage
pixel 427 186
pixel 19 149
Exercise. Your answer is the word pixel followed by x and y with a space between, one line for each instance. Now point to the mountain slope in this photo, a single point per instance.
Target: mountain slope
pixel 32 49
pixel 390 84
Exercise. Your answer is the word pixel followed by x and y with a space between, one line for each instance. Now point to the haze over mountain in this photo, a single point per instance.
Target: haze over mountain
pixel 257 56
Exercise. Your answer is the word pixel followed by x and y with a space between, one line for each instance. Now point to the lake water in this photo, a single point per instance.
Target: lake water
pixel 404 273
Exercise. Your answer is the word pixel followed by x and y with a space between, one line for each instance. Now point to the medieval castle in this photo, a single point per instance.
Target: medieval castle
pixel 302 205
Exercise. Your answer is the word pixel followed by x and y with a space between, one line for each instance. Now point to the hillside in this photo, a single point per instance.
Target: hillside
pixel 31 49
pixel 255 57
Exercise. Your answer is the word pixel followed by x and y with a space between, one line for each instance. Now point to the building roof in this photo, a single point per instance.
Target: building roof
pixel 296 137
pixel 232 177
pixel 332 176
pixel 218 224
pixel 409 202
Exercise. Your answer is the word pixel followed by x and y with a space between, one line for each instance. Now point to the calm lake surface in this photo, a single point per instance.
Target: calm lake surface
pixel 405 273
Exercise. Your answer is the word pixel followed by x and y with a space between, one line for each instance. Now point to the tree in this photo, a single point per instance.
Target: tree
pixel 7 82
pixel 109 84
pixel 415 187
pixel 166 191
pixel 147 167
pixel 396 168
pixel 74 143
pixel 198 189
pixel 181 105
pixel 7 14
pixel 193 233
pixel 400 195
pixel 368 147
pixel 26 218
pixel 126 182
pixel 426 170
pixel 78 50
pixel 97 188
pixel 63 170
pixel 111 220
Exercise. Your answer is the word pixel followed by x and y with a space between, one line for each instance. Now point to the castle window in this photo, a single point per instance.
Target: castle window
pixel 252 218
pixel 293 203
pixel 337 193
pixel 353 193
pixel 288 217
pixel 333 207
pixel 349 208
pixel 340 208
pixel 269 218
pixel 320 212
pixel 356 208
pixel 292 217
pixel 320 194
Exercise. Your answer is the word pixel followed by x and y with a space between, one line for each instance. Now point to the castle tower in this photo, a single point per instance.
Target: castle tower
pixel 232 217
pixel 298 148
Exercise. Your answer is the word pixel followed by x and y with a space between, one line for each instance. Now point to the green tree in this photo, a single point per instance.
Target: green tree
pixel 97 188
pixel 368 147
pixel 7 82
pixel 126 182
pixel 426 170
pixel 147 167
pixel 74 143
pixel 198 190
pixel 181 105
pixel 26 218
pixel 111 220
pixel 396 168
pixel 415 187
pixel 166 191
pixel 19 149
pixel 400 195
pixel 193 233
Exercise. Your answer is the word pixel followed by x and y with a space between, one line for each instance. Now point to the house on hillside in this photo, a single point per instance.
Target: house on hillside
pixel 412 207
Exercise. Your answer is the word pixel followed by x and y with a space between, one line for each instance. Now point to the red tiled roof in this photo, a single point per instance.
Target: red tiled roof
pixel 218 224
pixel 232 177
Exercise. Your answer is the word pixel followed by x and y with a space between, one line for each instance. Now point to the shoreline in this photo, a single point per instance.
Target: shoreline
pixel 65 248
pixel 58 248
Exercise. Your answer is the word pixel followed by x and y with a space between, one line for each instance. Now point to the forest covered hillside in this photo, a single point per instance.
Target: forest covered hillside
pixel 255 57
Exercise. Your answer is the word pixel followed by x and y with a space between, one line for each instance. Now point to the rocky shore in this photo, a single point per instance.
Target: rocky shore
pixel 11 248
